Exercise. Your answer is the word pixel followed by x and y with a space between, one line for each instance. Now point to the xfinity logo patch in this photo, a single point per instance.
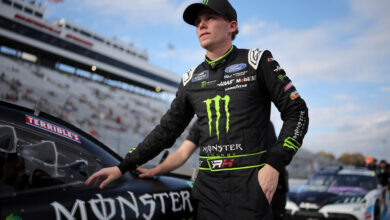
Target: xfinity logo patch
pixel 235 68
pixel 200 76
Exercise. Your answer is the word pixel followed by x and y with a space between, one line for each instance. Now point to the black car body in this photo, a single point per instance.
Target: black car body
pixel 44 162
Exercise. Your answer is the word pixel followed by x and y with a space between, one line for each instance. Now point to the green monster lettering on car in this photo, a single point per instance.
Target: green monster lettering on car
pixel 217 107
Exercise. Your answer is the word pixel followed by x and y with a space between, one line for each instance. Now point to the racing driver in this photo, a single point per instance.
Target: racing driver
pixel 231 93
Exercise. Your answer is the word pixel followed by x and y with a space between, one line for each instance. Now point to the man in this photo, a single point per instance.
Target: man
pixel 231 94
pixel 181 155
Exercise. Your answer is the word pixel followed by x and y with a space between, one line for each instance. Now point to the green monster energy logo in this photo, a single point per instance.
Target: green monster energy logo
pixel 291 143
pixel 216 100
pixel 281 77
pixel 205 2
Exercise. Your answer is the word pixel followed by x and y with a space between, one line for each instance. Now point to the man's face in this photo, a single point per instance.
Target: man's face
pixel 212 29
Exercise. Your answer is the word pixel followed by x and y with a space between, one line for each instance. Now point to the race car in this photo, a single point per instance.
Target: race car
pixel 44 162
pixel 337 193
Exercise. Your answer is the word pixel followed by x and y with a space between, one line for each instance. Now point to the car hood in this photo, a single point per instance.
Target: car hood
pixel 322 195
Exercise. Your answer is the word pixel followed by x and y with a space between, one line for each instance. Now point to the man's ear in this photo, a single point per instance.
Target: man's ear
pixel 233 26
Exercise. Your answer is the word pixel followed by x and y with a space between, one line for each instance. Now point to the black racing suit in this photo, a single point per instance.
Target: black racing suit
pixel 280 197
pixel 231 97
pixel 278 204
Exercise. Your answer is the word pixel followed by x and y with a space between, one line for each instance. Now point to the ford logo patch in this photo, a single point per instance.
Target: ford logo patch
pixel 235 68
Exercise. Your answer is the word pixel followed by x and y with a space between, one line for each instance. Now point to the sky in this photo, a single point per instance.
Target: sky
pixel 336 52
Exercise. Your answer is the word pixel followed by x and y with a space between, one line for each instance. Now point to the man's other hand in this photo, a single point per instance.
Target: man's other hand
pixel 268 179
pixel 107 175
pixel 147 173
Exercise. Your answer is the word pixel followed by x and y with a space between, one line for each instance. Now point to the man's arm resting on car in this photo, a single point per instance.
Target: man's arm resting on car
pixel 105 176
pixel 173 161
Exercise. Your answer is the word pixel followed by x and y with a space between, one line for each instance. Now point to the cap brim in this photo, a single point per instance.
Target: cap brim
pixel 191 12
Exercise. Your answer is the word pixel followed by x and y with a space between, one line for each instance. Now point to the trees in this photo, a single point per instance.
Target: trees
pixel 327 155
pixel 352 159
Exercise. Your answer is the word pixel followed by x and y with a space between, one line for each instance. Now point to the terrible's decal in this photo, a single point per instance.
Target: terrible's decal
pixel 38 123
pixel 131 207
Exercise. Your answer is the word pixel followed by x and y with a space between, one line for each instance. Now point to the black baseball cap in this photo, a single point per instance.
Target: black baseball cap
pixel 222 7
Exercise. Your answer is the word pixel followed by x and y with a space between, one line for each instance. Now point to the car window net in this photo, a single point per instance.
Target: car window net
pixel 30 160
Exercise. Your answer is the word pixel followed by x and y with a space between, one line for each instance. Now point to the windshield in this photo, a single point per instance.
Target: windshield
pixel 32 159
pixel 347 181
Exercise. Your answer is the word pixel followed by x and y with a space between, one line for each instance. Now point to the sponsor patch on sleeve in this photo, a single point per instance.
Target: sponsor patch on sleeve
pixel 49 127
pixel 288 86
pixel 277 69
pixel 294 95
pixel 270 59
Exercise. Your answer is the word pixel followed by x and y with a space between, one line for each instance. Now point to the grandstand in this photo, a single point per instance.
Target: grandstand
pixel 117 117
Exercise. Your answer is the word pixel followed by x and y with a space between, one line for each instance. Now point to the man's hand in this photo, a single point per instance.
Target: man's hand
pixel 107 174
pixel 147 173
pixel 268 178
